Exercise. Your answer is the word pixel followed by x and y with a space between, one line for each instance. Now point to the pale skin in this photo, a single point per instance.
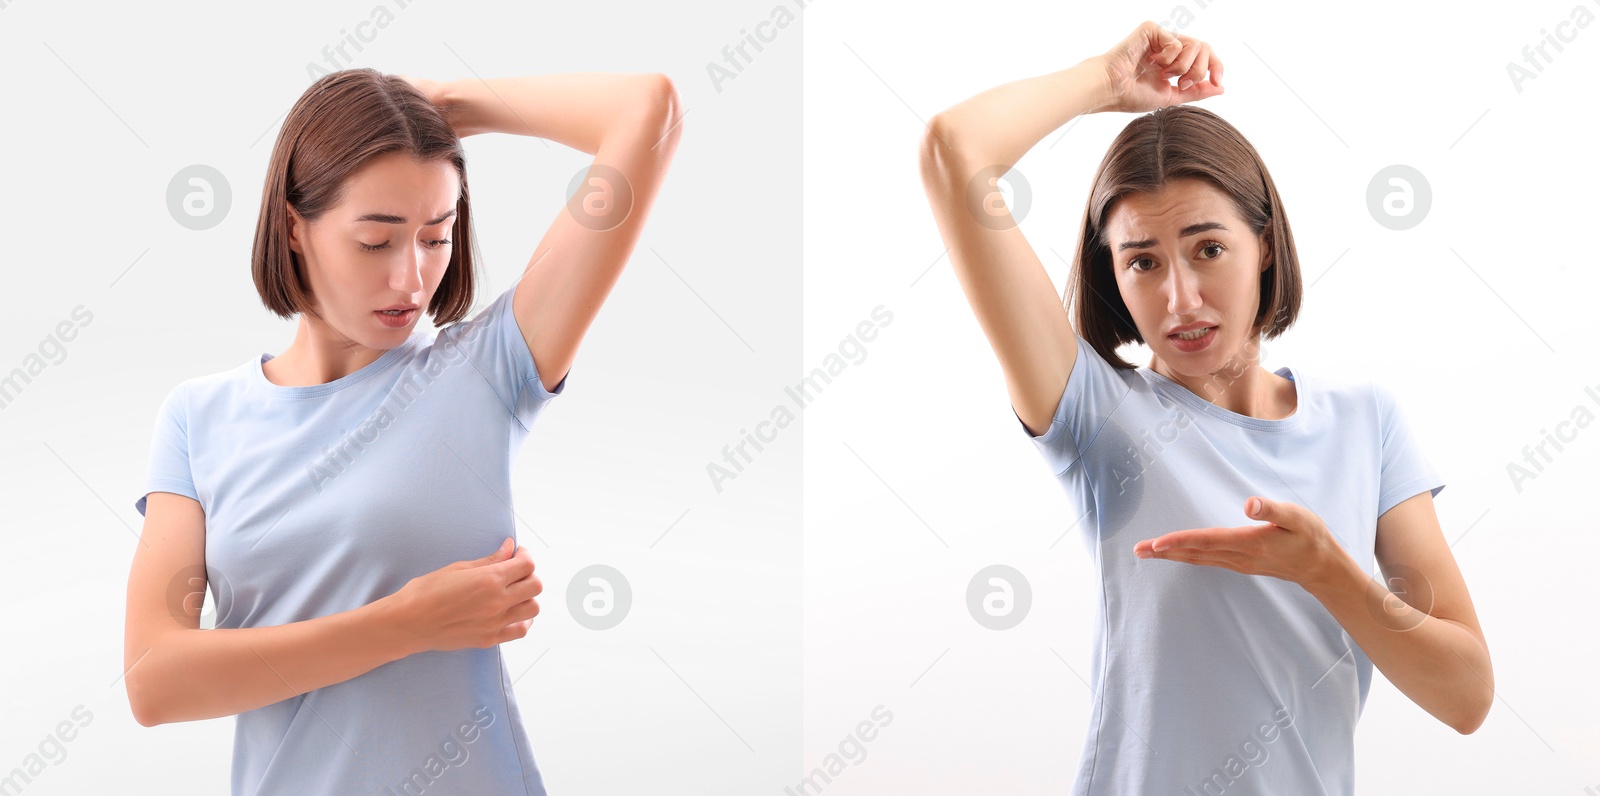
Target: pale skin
pixel 1426 640
pixel 631 124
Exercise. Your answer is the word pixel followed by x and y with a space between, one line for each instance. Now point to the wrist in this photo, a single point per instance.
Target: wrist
pixel 386 619
pixel 1335 573
pixel 1099 76
pixel 454 100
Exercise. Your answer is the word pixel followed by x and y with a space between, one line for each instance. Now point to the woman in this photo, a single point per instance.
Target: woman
pixel 345 499
pixel 1226 659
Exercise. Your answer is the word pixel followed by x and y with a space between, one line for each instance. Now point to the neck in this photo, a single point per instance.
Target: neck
pixel 318 355
pixel 1241 386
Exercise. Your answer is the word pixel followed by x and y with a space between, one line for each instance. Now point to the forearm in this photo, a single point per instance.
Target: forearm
pixel 190 674
pixel 580 110
pixel 1437 663
pixel 1000 125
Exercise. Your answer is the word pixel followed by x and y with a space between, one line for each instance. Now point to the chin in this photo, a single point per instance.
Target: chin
pixel 1198 364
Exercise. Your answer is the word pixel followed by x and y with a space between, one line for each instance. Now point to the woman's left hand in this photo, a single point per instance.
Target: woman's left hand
pixel 432 89
pixel 1294 545
pixel 440 93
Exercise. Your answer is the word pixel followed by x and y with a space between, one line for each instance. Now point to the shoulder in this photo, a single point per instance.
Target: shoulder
pixel 197 392
pixel 1346 392
pixel 488 320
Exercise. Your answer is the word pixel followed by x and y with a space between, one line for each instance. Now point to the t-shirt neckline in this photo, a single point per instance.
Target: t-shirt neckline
pixel 1188 397
pixel 258 375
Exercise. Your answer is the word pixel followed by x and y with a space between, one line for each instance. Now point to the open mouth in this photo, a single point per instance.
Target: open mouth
pixel 395 318
pixel 1193 341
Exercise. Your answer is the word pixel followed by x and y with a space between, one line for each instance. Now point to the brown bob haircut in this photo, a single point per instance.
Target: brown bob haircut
pixel 1176 142
pixel 343 120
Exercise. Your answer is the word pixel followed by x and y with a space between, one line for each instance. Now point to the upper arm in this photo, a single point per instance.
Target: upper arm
pixel 582 253
pixel 1008 288
pixel 1418 565
pixel 166 584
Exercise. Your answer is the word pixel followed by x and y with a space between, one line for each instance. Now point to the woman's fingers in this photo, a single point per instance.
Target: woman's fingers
pixel 1192 71
pixel 1184 59
pixel 1216 70
pixel 1163 55
pixel 515 568
pixel 1189 60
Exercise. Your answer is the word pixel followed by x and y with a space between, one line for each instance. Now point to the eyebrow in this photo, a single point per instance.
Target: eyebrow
pixel 389 219
pixel 1192 229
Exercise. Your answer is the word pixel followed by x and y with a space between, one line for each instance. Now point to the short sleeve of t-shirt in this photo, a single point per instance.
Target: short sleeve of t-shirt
pixel 1093 390
pixel 169 451
pixel 1405 469
pixel 494 343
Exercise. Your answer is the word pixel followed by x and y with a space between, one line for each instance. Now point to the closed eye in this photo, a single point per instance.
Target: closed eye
pixel 432 244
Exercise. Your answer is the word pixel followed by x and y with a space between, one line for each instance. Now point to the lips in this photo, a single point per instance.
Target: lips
pixel 1205 339
pixel 398 320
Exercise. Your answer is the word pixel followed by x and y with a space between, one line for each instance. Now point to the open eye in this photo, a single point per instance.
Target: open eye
pixel 1206 246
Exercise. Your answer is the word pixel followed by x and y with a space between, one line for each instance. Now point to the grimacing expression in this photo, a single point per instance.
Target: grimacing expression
pixel 1184 256
pixel 386 243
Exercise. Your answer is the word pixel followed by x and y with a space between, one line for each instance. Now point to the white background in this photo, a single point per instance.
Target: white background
pixel 916 474
pixel 920 445
pixel 700 685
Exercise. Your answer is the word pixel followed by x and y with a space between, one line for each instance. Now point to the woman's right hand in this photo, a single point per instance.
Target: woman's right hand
pixel 1139 67
pixel 480 602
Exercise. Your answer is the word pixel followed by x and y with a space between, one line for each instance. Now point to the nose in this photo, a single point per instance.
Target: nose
pixel 407 276
pixel 1183 289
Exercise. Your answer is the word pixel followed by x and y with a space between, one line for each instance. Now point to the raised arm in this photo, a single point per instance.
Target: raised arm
pixel 965 150
pixel 969 146
pixel 631 124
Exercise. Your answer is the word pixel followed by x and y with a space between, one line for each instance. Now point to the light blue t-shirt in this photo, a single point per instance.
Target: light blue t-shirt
pixel 321 499
pixel 1206 681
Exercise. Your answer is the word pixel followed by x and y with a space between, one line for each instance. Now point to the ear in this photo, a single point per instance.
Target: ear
pixel 296 229
pixel 1266 249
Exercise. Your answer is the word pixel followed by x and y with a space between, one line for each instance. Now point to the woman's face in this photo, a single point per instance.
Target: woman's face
pixel 386 243
pixel 1184 256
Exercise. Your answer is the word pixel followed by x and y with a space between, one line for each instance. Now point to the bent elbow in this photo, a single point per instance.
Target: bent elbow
pixel 144 711
pixel 936 152
pixel 1471 723
pixel 664 93
pixel 142 701
pixel 664 110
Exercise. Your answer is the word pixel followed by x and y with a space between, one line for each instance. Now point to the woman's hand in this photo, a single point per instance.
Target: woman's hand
pixel 1294 545
pixel 444 97
pixel 477 603
pixel 1139 67
pixel 432 89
